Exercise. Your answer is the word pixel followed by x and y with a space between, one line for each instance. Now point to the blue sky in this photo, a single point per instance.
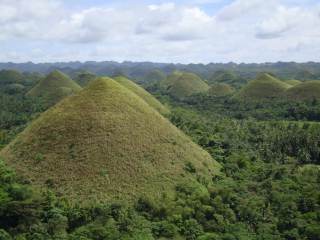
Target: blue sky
pixel 186 31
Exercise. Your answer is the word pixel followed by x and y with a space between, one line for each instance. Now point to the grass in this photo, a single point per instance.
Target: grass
pixel 220 89
pixel 122 148
pixel 54 87
pixel 292 82
pixel 308 90
pixel 186 84
pixel 147 97
pixel 264 86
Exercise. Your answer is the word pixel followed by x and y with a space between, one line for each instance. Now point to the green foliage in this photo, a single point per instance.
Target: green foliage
pixel 220 89
pixel 269 187
pixel 10 77
pixel 83 78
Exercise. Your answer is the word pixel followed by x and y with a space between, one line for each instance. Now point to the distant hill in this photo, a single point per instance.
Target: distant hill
pixel 183 85
pixel 308 90
pixel 54 87
pixel 292 82
pixel 220 89
pixel 147 97
pixel 154 76
pixel 226 76
pixel 170 80
pixel 263 87
pixel 305 75
pixel 106 143
pixel 138 70
pixel 10 77
pixel 84 77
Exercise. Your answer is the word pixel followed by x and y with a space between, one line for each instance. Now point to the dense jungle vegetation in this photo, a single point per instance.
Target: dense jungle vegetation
pixel 270 187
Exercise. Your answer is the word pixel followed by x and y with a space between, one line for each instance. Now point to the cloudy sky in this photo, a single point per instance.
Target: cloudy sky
pixel 185 31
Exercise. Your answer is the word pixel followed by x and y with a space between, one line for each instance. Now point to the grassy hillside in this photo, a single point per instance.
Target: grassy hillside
pixel 170 79
pixel 54 87
pixel 106 143
pixel 147 97
pixel 220 89
pixel 186 85
pixel 305 91
pixel 264 86
pixel 292 82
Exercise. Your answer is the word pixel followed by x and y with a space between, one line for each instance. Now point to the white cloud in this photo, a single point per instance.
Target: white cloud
pixel 174 23
pixel 240 9
pixel 244 30
pixel 283 20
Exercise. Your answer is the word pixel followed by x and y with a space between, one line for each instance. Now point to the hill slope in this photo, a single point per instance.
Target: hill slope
pixel 293 82
pixel 264 86
pixel 170 79
pixel 186 85
pixel 147 97
pixel 54 87
pixel 220 89
pixel 305 91
pixel 106 143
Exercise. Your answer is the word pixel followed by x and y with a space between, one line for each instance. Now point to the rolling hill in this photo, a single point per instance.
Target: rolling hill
pixel 308 90
pixel 220 89
pixel 293 82
pixel 54 87
pixel 154 76
pixel 170 79
pixel 185 84
pixel 147 97
pixel 10 77
pixel 263 87
pixel 84 77
pixel 106 143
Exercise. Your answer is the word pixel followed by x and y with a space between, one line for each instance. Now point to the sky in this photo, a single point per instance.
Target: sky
pixel 178 31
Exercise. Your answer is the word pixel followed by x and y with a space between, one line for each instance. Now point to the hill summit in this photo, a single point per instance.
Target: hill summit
pixel 106 143
pixel 183 85
pixel 308 90
pixel 293 82
pixel 263 87
pixel 54 87
pixel 147 97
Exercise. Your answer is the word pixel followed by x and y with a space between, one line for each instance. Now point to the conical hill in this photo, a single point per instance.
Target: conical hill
pixel 263 87
pixel 308 90
pixel 147 97
pixel 170 80
pixel 106 143
pixel 54 87
pixel 186 85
